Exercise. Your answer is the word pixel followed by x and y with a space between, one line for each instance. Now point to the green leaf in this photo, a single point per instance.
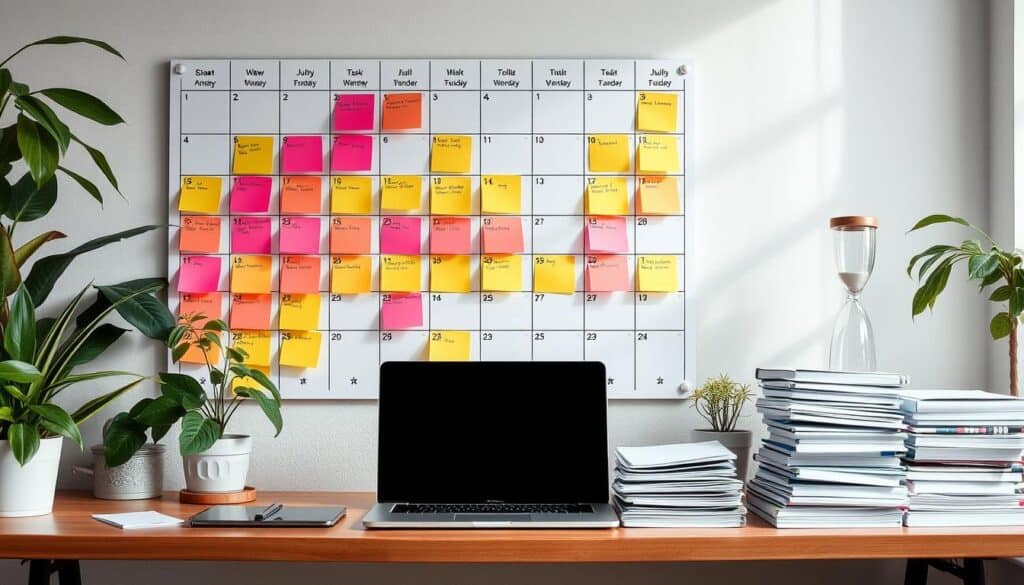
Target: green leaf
pixel 198 433
pixel 101 303
pixel 1017 302
pixel 972 247
pixel 5 81
pixel 929 291
pixel 928 264
pixel 991 279
pixel 25 251
pixel 101 162
pixel 9 151
pixel 1001 294
pixel 47 118
pixel 84 183
pixel 17 394
pixel 6 414
pixel 265 382
pixel 139 407
pixel 96 404
pixel 161 411
pixel 28 202
pixel 179 352
pixel 183 389
pixel 56 420
pixel 938 218
pixel 982 266
pixel 10 275
pixel 16 371
pixel 38 149
pixel 66 40
pixel 43 326
pixel 20 332
pixel 19 88
pixel 144 311
pixel 270 408
pixel 158 432
pixel 122 439
pixel 94 344
pixel 24 440
pixel 932 251
pixel 83 104
pixel 1000 325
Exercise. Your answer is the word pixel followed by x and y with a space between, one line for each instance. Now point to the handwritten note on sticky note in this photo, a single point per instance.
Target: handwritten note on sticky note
pixel 250 235
pixel 350 235
pixel 254 343
pixel 199 274
pixel 300 312
pixel 450 235
pixel 206 304
pixel 449 346
pixel 400 273
pixel 501 273
pixel 300 274
pixel 657 112
pixel 659 195
pixel 449 274
pixel 248 381
pixel 251 274
pixel 657 154
pixel 300 349
pixel 254 155
pixel 554 274
pixel 502 235
pixel 450 195
pixel 501 193
pixel 657 274
pixel 302 154
pixel 401 192
pixel 351 195
pixel 199 234
pixel 401 311
pixel 607 196
pixel 251 194
pixel 354 111
pixel 200 194
pixel 250 311
pixel 451 153
pixel 400 235
pixel 351 274
pixel 402 111
pixel 607 273
pixel 299 235
pixel 352 152
pixel 608 153
pixel 606 235
pixel 301 195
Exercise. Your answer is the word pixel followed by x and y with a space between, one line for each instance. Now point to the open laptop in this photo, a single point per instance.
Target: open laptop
pixel 492 445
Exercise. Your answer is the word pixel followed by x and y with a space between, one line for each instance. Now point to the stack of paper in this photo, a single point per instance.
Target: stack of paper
pixel 832 455
pixel 963 458
pixel 136 520
pixel 687 484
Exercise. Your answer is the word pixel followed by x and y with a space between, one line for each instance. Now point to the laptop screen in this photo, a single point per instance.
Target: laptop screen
pixel 472 432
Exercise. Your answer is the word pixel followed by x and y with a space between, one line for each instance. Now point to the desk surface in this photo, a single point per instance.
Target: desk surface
pixel 71 533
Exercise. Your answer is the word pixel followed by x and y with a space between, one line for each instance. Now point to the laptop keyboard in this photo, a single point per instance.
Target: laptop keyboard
pixel 492 508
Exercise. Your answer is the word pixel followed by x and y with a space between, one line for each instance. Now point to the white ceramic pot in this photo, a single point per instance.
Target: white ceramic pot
pixel 736 441
pixel 221 468
pixel 28 490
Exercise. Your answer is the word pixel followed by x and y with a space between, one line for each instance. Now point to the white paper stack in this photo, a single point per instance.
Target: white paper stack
pixel 680 485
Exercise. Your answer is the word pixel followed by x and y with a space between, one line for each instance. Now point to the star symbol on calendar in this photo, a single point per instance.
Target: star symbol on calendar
pixel 661 380
pixel 353 381
pixel 202 380
pixel 611 381
pixel 302 380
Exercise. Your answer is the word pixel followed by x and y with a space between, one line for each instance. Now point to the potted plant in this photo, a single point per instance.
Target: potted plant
pixel 720 401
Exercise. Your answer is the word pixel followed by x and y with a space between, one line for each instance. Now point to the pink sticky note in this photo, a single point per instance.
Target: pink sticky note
pixel 449 235
pixel 502 235
pixel 251 194
pixel 607 274
pixel 352 152
pixel 354 112
pixel 400 235
pixel 300 235
pixel 250 235
pixel 199 274
pixel 401 311
pixel 302 154
pixel 606 234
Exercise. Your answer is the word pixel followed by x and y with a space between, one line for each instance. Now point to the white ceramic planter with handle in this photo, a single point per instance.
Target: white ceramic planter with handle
pixel 221 468
pixel 28 490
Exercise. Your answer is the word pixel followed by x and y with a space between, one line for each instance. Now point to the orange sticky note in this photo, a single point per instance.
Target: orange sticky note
pixel 659 195
pixel 301 195
pixel 199 235
pixel 209 305
pixel 300 311
pixel 250 274
pixel 449 274
pixel 350 235
pixel 450 235
pixel 351 274
pixel 300 274
pixel 607 273
pixel 257 345
pixel 250 311
pixel 402 111
pixel 351 194
pixel 502 235
pixel 200 194
pixel 608 153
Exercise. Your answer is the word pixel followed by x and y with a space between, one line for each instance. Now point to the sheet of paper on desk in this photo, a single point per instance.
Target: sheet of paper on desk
pixel 133 520
pixel 671 455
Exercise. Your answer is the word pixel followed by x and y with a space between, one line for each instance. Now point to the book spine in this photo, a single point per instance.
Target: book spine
pixel 985 430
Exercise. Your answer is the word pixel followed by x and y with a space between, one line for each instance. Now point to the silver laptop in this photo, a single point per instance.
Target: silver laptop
pixel 492 445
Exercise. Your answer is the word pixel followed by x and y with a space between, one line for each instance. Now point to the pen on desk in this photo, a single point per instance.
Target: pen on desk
pixel 268 512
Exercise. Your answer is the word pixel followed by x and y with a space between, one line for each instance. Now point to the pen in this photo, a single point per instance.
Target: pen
pixel 268 512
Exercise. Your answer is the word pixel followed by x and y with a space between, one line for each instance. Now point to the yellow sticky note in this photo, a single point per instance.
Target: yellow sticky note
pixel 246 381
pixel 300 349
pixel 399 273
pixel 255 343
pixel 554 274
pixel 501 193
pixel 254 155
pixel 250 274
pixel 350 274
pixel 657 111
pixel 657 154
pixel 658 195
pixel 401 192
pixel 300 311
pixel 451 154
pixel 200 194
pixel 450 195
pixel 449 346
pixel 449 274
pixel 607 196
pixel 350 194
pixel 657 274
pixel 608 153
pixel 502 272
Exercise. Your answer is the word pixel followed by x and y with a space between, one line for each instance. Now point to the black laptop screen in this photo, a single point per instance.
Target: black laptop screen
pixel 468 432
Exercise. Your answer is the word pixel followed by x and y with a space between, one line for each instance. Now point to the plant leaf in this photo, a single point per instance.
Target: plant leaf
pixel 1000 325
pixel 102 304
pixel 1017 302
pixel 47 118
pixel 122 438
pixel 5 80
pixel 101 162
pixel 24 440
pixel 83 104
pixel 25 251
pixel 938 218
pixel 10 276
pixel 161 411
pixel 96 404
pixel 929 291
pixel 29 203
pixel 198 433
pixel 982 266
pixel 84 183
pixel 935 250
pixel 38 149
pixel 1001 294
pixel 145 312
pixel 17 371
pixel 97 342
pixel 56 420
pixel 20 332
pixel 67 40
pixel 270 408
pixel 183 389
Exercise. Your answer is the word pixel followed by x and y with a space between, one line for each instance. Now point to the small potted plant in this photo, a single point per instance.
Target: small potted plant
pixel 720 401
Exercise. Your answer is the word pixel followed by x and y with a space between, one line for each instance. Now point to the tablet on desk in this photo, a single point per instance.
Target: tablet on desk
pixel 273 516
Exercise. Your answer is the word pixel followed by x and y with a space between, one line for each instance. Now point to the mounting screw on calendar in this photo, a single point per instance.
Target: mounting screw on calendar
pixel 681 70
pixel 180 69
pixel 685 389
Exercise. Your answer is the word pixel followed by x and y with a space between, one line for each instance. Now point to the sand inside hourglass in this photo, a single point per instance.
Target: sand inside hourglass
pixel 854 281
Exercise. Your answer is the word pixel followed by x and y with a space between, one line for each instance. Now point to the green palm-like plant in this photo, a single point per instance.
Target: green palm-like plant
pixel 720 401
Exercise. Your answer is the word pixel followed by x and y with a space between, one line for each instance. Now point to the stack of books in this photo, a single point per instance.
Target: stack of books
pixel 832 455
pixel 963 458
pixel 682 485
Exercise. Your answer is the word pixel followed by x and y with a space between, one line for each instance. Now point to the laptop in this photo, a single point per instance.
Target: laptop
pixel 492 445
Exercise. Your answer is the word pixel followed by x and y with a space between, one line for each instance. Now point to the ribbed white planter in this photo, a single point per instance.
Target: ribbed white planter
pixel 221 468
pixel 28 490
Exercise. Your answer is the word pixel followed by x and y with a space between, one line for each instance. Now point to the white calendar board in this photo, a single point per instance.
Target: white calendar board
pixel 532 119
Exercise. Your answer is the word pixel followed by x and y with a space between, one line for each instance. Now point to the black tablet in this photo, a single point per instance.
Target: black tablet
pixel 284 517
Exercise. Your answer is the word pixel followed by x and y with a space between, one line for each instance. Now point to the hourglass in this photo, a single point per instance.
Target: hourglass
pixel 853 341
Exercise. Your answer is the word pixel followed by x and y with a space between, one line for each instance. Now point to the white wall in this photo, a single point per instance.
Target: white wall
pixel 804 109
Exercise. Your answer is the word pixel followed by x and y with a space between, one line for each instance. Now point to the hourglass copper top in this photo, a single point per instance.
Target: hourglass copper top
pixel 853 222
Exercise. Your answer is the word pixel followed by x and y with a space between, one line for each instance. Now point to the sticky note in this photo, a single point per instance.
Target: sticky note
pixel 351 274
pixel 401 192
pixel 400 273
pixel 451 153
pixel 354 111
pixel 254 155
pixel 449 346
pixel 657 112
pixel 657 154
pixel 251 194
pixel 250 274
pixel 302 154
pixel 402 111
pixel 607 196
pixel 400 235
pixel 351 194
pixel 301 195
pixel 254 343
pixel 208 304
pixel 199 234
pixel 199 274
pixel 350 235
pixel 300 311
pixel 607 274
pixel 300 349
pixel 659 195
pixel 250 235
pixel 401 311
pixel 656 274
pixel 554 274
pixel 502 235
pixel 501 193
pixel 606 235
pixel 200 194
pixel 449 274
pixel 501 273
pixel 247 381
pixel 300 274
pixel 450 235
pixel 352 152
pixel 299 235
pixel 250 311
pixel 450 195
pixel 608 153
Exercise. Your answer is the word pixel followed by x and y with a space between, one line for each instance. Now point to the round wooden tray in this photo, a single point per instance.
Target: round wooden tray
pixel 211 499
